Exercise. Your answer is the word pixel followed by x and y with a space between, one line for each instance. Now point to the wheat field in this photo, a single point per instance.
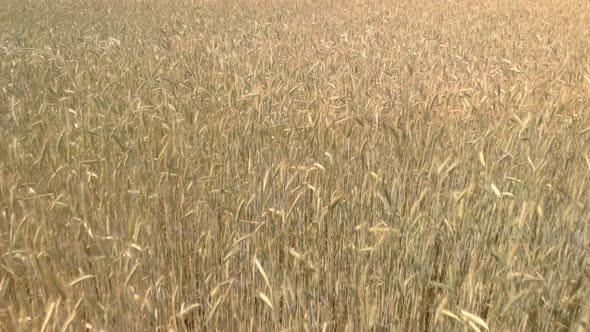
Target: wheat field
pixel 299 165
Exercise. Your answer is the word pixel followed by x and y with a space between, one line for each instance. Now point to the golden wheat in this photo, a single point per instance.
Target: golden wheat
pixel 294 165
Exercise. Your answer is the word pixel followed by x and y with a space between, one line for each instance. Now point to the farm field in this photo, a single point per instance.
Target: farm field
pixel 297 165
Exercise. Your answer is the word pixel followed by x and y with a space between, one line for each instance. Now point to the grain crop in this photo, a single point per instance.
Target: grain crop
pixel 271 165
